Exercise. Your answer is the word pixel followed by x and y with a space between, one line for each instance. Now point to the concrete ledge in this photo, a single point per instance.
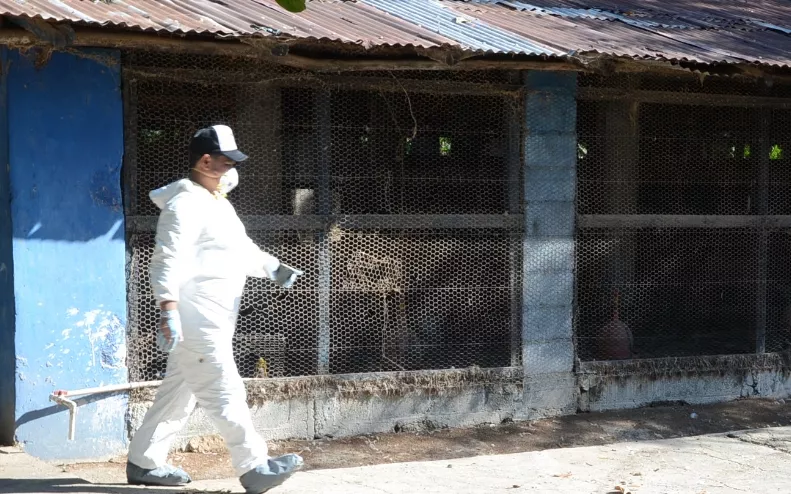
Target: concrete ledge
pixel 348 416
pixel 694 380
pixel 298 418
pixel 492 395
pixel 638 391
pixel 675 365
pixel 310 407
pixel 273 420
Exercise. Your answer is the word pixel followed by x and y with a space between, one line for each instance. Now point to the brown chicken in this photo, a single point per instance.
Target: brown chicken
pixel 616 341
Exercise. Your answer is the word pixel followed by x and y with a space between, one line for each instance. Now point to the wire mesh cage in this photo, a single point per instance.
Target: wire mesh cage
pixel 682 184
pixel 397 194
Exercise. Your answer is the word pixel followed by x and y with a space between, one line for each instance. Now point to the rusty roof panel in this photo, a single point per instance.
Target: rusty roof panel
pixel 585 35
pixel 471 34
pixel 714 10
pixel 333 20
pixel 663 30
pixel 705 31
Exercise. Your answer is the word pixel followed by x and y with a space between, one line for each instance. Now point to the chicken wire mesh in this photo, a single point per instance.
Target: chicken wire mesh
pixel 412 301
pixel 397 194
pixel 648 293
pixel 682 187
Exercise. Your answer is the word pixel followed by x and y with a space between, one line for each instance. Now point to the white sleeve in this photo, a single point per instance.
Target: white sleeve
pixel 260 264
pixel 178 230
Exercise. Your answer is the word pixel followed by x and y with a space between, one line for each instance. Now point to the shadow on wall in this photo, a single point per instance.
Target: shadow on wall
pixel 40 413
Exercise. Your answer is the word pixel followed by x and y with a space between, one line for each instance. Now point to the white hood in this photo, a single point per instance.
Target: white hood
pixel 162 195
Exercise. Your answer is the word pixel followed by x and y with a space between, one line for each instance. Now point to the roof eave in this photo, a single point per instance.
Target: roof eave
pixel 321 54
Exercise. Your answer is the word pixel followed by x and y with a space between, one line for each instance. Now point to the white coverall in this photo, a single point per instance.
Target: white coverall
pixel 201 260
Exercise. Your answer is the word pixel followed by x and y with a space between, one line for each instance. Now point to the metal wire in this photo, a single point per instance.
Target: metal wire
pixel 680 181
pixel 392 193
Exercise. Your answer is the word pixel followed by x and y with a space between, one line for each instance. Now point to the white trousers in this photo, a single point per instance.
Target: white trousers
pixel 211 380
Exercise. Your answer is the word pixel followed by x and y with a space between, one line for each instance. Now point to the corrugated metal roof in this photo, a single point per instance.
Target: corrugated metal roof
pixel 471 34
pixel 704 31
pixel 579 33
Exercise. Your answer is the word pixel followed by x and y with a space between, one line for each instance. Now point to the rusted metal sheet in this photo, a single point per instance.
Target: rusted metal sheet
pixel 350 22
pixel 468 32
pixel 716 12
pixel 586 35
pixel 706 31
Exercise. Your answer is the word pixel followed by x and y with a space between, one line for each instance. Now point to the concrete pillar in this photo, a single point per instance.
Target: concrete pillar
pixel 550 180
pixel 66 142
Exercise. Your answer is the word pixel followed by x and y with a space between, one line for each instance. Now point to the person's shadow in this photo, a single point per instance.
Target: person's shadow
pixel 77 485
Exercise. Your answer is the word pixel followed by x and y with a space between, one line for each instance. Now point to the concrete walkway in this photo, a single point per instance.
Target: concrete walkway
pixel 750 461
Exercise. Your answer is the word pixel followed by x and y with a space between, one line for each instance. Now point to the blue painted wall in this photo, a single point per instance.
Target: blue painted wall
pixel 7 355
pixel 65 151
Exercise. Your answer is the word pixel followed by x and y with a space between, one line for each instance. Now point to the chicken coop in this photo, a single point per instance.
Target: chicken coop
pixel 398 195
pixel 683 217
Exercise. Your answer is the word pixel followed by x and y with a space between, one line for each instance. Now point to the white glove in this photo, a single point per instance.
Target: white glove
pixel 285 276
pixel 170 321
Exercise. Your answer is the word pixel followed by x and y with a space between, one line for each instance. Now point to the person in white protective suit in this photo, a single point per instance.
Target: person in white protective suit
pixel 198 270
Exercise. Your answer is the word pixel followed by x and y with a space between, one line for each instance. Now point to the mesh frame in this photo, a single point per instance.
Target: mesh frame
pixel 400 197
pixel 682 204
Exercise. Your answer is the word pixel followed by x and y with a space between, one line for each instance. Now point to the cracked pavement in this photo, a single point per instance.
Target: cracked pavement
pixel 744 461
pixel 778 439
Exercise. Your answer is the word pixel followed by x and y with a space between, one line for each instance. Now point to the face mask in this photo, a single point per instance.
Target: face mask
pixel 228 182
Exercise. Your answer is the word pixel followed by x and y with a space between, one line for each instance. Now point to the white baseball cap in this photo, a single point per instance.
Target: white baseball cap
pixel 217 139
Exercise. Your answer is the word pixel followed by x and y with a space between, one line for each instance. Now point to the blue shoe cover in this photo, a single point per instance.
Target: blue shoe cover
pixel 165 475
pixel 274 473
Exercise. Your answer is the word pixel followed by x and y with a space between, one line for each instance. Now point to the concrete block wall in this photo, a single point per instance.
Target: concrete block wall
pixel 342 416
pixel 338 416
pixel 286 419
pixel 706 387
pixel 65 150
pixel 550 164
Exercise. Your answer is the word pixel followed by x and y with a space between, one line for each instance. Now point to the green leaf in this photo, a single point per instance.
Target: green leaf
pixel 776 153
pixel 444 146
pixel 292 5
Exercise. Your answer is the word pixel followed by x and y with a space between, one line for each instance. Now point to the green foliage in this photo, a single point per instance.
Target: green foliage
pixel 444 146
pixel 294 6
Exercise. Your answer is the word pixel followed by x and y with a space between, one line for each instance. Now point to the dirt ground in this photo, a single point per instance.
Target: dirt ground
pixel 589 429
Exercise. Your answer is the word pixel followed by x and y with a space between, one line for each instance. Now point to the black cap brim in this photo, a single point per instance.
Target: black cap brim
pixel 235 155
